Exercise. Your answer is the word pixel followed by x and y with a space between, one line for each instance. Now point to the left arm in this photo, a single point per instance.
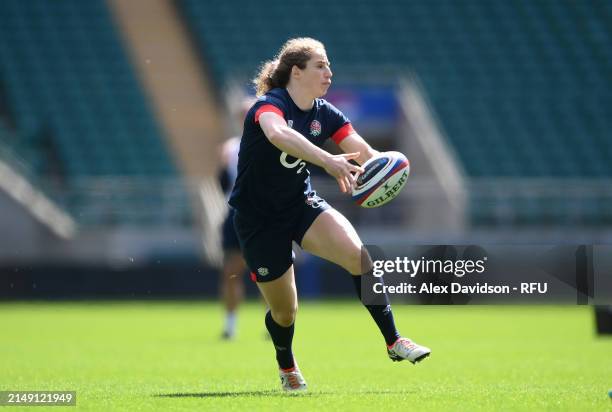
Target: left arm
pixel 354 143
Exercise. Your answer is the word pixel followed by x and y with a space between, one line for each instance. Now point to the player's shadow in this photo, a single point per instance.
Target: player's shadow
pixel 239 394
pixel 234 394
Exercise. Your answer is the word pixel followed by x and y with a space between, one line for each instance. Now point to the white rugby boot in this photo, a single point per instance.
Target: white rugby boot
pixel 292 380
pixel 405 349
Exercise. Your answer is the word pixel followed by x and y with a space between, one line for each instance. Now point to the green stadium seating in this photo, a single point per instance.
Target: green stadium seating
pixel 69 86
pixel 522 88
pixel 66 73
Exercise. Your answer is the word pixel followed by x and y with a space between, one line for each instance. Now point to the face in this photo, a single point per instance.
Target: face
pixel 316 77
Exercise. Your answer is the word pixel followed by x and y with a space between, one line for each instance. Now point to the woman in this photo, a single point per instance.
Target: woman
pixel 276 205
pixel 232 287
pixel 231 279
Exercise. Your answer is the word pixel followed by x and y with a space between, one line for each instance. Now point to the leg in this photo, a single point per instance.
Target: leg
pixel 332 237
pixel 232 289
pixel 232 286
pixel 281 296
pixel 267 250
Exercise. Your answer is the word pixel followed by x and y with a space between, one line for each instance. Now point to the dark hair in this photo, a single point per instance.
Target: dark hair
pixel 277 72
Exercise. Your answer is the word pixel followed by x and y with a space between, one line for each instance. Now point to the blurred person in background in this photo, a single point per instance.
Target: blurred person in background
pixel 234 266
pixel 275 204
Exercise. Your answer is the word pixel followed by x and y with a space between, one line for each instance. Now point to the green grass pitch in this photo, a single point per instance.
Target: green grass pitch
pixel 165 356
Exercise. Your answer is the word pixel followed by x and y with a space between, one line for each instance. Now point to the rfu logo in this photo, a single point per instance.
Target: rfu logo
pixel 263 271
pixel 315 128
pixel 290 165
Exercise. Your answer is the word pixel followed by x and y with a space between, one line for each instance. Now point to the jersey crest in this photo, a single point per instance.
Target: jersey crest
pixel 315 128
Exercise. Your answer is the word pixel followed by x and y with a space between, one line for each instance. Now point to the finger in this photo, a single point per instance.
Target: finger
pixel 355 175
pixel 341 184
pixel 357 169
pixel 349 185
pixel 353 180
pixel 349 156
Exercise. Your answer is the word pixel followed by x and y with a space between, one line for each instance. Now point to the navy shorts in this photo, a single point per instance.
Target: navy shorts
pixel 228 233
pixel 267 245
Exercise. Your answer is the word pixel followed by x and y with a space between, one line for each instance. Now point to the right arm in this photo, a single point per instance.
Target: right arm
pixel 293 143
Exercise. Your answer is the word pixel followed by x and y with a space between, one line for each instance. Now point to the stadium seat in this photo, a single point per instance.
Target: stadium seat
pixel 68 76
pixel 522 89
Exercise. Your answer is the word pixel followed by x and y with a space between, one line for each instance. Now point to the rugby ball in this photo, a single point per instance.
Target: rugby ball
pixel 383 178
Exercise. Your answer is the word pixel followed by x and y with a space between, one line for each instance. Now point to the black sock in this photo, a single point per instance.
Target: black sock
pixel 382 314
pixel 282 338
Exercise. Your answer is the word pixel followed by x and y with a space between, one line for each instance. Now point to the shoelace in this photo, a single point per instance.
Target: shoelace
pixel 408 344
pixel 293 379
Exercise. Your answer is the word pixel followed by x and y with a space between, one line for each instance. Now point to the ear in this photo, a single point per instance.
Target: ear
pixel 295 71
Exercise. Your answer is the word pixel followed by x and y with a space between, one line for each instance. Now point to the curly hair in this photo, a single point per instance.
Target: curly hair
pixel 277 72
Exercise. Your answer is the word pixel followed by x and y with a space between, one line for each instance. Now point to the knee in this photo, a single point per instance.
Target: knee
pixel 358 262
pixel 286 316
pixel 233 265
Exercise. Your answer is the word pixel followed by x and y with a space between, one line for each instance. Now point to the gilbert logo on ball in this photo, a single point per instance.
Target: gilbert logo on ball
pixel 383 179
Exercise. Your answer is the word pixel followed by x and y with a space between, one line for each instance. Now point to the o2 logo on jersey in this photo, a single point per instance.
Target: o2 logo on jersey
pixel 299 163
pixel 315 128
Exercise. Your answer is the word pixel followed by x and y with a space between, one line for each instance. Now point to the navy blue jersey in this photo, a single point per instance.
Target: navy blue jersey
pixel 270 182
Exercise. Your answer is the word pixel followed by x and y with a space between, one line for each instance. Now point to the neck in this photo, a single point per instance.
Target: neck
pixel 300 99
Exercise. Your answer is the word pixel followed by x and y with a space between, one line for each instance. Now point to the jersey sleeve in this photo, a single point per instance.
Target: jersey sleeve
pixel 341 126
pixel 267 103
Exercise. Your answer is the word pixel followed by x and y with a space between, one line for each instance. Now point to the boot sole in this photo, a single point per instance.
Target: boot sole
pixel 414 362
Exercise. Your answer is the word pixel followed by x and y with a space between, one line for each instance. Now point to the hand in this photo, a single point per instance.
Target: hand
pixel 344 171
